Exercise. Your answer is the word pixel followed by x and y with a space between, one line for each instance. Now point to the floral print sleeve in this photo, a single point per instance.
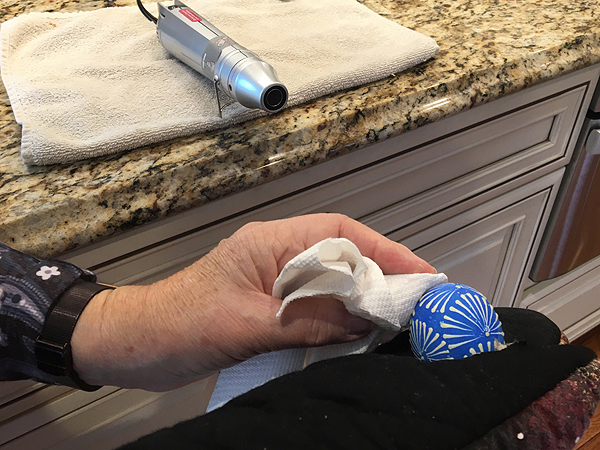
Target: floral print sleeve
pixel 28 288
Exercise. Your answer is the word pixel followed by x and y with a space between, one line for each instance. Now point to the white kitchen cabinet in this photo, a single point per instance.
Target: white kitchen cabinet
pixel 470 193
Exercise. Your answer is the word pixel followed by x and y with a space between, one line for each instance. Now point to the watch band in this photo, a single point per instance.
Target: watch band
pixel 53 345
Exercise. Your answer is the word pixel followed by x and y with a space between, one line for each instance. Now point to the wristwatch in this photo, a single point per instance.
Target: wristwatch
pixel 53 345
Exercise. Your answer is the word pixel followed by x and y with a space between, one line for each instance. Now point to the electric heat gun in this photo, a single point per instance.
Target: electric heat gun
pixel 233 69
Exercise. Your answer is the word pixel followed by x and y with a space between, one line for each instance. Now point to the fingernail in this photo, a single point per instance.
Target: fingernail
pixel 357 326
pixel 421 269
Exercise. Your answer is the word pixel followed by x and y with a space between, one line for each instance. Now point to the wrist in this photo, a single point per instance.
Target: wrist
pixel 53 348
pixel 120 339
pixel 86 338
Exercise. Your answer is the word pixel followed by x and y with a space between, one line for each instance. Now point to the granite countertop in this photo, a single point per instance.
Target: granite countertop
pixel 488 49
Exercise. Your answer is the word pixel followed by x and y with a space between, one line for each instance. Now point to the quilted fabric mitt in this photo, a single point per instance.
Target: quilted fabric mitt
pixel 536 394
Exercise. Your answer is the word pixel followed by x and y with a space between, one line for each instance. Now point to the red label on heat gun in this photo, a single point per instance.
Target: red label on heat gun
pixel 190 15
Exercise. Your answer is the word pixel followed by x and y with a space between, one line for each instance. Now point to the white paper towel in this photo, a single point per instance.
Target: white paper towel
pixel 331 268
pixel 96 83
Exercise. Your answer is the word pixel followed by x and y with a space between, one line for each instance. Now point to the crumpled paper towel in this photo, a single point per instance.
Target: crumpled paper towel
pixel 331 268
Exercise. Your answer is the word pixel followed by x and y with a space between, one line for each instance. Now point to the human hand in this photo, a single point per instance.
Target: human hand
pixel 219 311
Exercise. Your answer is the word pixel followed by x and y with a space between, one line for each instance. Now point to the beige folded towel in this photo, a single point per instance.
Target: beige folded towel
pixel 96 83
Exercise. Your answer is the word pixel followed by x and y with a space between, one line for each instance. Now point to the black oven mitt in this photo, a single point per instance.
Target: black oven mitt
pixel 536 394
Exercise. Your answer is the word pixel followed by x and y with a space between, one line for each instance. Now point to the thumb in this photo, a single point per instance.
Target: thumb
pixel 314 322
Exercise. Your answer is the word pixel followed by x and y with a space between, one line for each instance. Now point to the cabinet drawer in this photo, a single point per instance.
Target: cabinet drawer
pixel 439 174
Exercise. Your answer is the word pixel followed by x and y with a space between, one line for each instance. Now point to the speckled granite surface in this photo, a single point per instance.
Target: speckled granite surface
pixel 488 49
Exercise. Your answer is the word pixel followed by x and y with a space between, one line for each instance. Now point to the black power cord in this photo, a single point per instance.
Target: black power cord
pixel 145 12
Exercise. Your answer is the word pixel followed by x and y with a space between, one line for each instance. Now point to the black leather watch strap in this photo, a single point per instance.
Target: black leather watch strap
pixel 53 345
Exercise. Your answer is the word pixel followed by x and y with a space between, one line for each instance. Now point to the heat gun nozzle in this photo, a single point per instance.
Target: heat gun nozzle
pixel 275 98
pixel 255 84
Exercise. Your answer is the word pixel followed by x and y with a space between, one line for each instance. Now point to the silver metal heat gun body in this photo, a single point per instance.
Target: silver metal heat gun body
pixel 233 69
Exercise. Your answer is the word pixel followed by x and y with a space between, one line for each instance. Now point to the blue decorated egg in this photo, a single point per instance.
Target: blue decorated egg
pixel 454 321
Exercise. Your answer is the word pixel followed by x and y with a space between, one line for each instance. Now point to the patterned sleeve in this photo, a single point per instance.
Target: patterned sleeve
pixel 28 288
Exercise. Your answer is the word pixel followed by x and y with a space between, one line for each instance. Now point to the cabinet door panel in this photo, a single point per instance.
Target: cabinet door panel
pixel 486 247
pixel 477 263
pixel 487 254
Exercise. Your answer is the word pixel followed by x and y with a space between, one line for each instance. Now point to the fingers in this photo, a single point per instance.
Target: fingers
pixel 390 256
pixel 314 322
